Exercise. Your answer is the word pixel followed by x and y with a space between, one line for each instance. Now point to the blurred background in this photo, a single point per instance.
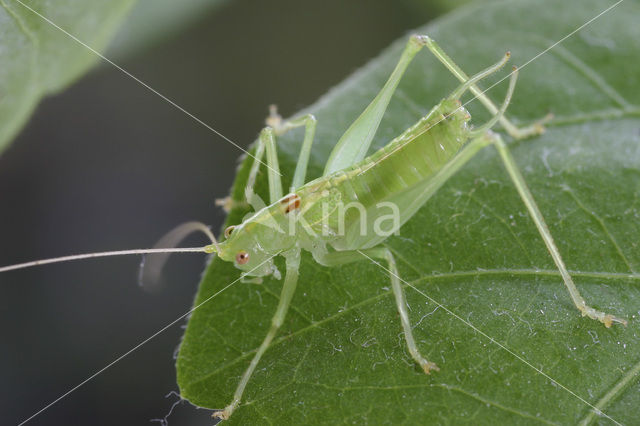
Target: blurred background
pixel 107 165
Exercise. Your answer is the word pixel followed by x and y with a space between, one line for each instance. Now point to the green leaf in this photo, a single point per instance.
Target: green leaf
pixel 511 346
pixel 38 59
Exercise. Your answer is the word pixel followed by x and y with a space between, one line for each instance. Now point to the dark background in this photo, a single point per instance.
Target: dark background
pixel 107 165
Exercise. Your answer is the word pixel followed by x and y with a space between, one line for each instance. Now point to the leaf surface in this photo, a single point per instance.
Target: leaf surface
pixel 491 310
pixel 38 59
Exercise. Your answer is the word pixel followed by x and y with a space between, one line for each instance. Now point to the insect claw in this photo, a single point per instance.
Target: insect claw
pixel 604 318
pixel 610 319
pixel 539 125
pixel 428 366
pixel 535 129
pixel 274 119
pixel 227 203
pixel 221 414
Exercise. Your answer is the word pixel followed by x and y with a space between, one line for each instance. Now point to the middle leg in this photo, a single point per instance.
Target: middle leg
pixel 383 253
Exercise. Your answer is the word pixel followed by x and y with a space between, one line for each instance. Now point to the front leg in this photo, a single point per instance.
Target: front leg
pixel 281 127
pixel 267 142
pixel 288 289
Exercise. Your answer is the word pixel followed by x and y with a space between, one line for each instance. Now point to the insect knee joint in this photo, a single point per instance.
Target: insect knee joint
pixel 420 40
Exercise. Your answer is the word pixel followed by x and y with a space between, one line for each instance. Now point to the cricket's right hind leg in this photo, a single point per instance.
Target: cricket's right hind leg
pixel 513 130
pixel 525 194
pixel 483 136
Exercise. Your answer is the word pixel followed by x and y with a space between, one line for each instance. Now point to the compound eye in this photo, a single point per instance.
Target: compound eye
pixel 228 231
pixel 242 257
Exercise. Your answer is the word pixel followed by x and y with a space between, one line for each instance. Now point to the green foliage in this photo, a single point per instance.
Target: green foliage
pixel 38 59
pixel 340 357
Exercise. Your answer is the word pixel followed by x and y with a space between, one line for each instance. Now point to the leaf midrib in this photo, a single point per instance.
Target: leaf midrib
pixel 614 392
pixel 445 386
pixel 440 276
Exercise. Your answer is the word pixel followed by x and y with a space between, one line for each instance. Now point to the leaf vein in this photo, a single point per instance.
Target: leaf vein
pixel 497 405
pixel 504 222
pixel 388 293
pixel 602 224
pixel 610 396
pixel 591 75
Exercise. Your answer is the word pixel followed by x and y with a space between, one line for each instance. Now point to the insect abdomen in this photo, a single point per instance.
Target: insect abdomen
pixel 411 158
pixel 336 201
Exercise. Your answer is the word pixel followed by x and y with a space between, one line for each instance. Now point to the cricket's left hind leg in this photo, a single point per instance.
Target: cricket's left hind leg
pixel 383 253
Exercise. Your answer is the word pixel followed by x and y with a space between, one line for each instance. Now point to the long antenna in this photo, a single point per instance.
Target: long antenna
pixel 206 249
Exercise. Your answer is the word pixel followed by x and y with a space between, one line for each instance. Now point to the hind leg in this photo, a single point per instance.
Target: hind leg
pixel 513 130
pixel 525 194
